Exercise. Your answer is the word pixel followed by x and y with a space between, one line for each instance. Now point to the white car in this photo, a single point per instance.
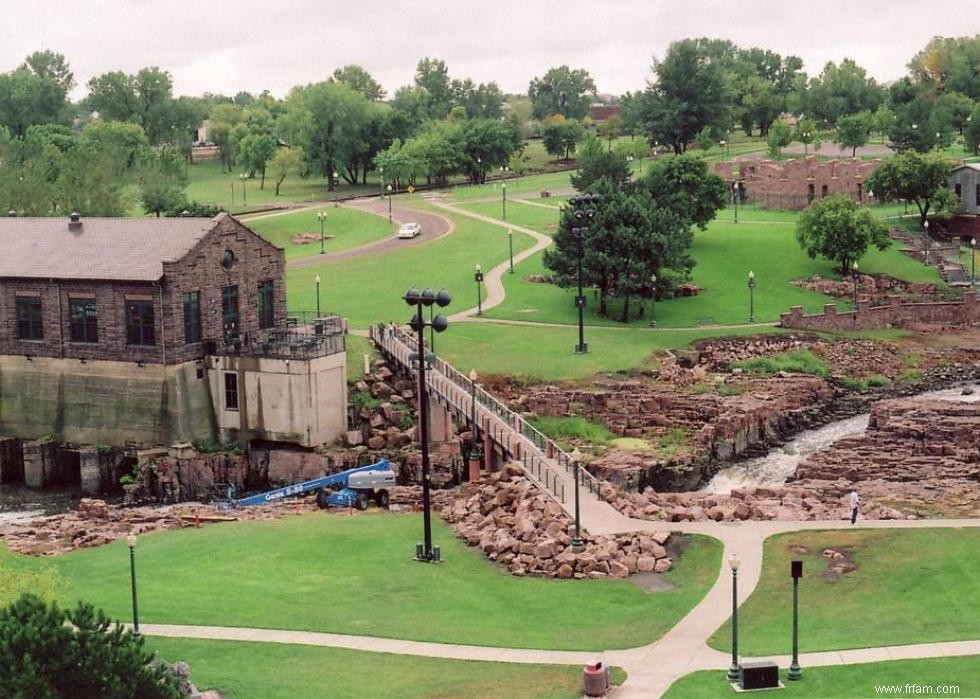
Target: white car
pixel 409 230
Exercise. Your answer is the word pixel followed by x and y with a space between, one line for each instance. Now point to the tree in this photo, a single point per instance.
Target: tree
pixel 596 163
pixel 971 134
pixel 35 93
pixel 255 150
pixel 911 176
pixel 690 92
pixel 48 652
pixel 611 129
pixel 704 139
pixel 806 131
pixel 222 119
pixel 562 91
pixel 684 186
pixel 842 89
pixel 838 229
pixel 560 138
pixel 359 80
pixel 489 144
pixel 882 120
pixel 162 180
pixel 780 135
pixel 434 87
pixel 853 131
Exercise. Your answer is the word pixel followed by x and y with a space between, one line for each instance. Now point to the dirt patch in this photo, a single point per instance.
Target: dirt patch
pixel 840 562
pixel 799 550
pixel 650 582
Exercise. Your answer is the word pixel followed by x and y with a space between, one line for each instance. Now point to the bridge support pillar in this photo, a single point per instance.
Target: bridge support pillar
pixel 491 456
pixel 440 422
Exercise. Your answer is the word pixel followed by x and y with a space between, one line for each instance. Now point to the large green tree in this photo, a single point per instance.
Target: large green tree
pixel 48 652
pixel 35 93
pixel 596 163
pixel 359 80
pixel 838 229
pixel 562 90
pixel 922 179
pixel 560 138
pixel 842 89
pixel 689 93
pixel 162 179
pixel 853 131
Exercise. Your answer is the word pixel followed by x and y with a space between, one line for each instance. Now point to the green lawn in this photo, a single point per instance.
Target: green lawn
pixel 534 217
pixel 330 572
pixel 343 229
pixel 241 670
pixel 529 183
pixel 911 586
pixel 886 679
pixel 369 290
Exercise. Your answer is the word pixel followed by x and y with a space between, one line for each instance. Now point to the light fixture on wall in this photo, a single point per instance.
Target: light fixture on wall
pixel 28 357
pixel 140 364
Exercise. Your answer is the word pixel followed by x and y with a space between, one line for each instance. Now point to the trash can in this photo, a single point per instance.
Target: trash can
pixel 595 676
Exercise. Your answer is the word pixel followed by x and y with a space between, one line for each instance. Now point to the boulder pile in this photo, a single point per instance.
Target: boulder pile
pixel 522 529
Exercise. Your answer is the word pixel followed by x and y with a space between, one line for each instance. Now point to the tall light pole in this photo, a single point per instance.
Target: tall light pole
pixel 584 213
pixel 131 542
pixel 653 301
pixel 316 280
pixel 577 544
pixel 243 177
pixel 734 563
pixel 973 264
pixel 925 226
pixel 723 143
pixel 478 278
pixel 381 174
pixel 322 218
pixel 735 198
pixel 417 299
pixel 476 453
pixel 389 203
pixel 510 243
pixel 479 170
pixel 796 571
pixel 503 195
pixel 751 297
pixel 855 277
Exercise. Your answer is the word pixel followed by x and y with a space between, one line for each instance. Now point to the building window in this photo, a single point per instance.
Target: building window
pixel 959 190
pixel 229 312
pixel 978 195
pixel 231 391
pixel 860 192
pixel 140 328
pixel 83 320
pixel 823 190
pixel 192 317
pixel 267 311
pixel 30 325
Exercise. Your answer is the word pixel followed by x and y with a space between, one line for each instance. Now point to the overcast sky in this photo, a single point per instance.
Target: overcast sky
pixel 223 47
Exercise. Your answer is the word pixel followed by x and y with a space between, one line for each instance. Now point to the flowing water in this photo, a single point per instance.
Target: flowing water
pixel 781 462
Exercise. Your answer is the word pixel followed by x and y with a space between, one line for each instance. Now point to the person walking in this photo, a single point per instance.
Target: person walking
pixel 855 502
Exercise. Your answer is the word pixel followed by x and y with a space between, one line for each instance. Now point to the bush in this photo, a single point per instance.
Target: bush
pixel 559 428
pixel 799 362
pixel 48 652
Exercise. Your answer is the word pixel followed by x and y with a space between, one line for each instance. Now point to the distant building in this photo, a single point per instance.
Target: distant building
pixel 601 112
pixel 125 331
pixel 793 184
pixel 965 182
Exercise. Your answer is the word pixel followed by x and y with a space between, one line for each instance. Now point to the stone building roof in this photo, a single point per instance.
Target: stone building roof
pixel 970 166
pixel 111 249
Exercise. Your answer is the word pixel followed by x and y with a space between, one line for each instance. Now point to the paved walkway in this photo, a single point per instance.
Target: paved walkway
pixel 652 668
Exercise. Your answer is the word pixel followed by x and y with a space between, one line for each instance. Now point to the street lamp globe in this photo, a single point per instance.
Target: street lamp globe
pixel 389 189
pixel 473 375
pixel 734 562
pixel 131 541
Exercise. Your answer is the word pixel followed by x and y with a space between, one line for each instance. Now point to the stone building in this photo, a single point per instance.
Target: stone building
pixel 793 184
pixel 135 332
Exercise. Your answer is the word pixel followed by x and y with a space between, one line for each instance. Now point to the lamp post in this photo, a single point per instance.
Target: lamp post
pixel 322 218
pixel 510 243
pixel 734 563
pixel 381 173
pixel 925 226
pixel 855 277
pixel 871 198
pixel 735 199
pixel 722 143
pixel 316 280
pixel 751 297
pixel 577 544
pixel 479 170
pixel 584 212
pixel 796 571
pixel 973 263
pixel 653 301
pixel 131 542
pixel 503 195
pixel 243 177
pixel 806 142
pixel 476 453
pixel 417 299
pixel 478 278
pixel 336 179
pixel 389 203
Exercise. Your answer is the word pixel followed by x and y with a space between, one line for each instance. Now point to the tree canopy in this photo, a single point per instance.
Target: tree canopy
pixel 838 229
pixel 562 90
pixel 918 178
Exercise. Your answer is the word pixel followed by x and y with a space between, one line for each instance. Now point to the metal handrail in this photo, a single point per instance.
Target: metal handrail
pixel 401 345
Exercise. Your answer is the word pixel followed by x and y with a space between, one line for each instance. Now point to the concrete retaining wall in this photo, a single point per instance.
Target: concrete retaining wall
pixel 896 313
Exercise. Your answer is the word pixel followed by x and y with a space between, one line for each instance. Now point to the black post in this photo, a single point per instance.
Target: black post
pixel 510 241
pixel 478 278
pixel 733 669
pixel 581 347
pixel 389 203
pixel 432 331
pixel 322 218
pixel 577 544
pixel 973 264
pixel 424 438
pixel 855 276
pixel 477 452
pixel 751 297
pixel 796 570
pixel 503 189
pixel 132 575
pixel 317 281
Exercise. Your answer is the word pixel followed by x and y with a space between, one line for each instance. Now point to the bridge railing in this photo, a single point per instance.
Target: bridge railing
pixel 401 345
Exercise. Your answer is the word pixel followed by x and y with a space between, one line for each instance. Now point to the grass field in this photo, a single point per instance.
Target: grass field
pixel 865 680
pixel 343 229
pixel 912 586
pixel 330 572
pixel 276 671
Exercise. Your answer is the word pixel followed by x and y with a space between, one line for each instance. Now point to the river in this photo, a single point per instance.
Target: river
pixel 780 464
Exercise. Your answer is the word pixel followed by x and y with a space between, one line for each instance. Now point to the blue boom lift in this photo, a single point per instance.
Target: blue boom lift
pixel 354 488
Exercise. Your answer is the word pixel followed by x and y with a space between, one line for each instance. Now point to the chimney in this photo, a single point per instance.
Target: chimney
pixel 74 221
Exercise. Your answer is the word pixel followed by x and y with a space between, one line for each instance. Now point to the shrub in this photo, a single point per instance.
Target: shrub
pixel 560 428
pixel 48 652
pixel 798 362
